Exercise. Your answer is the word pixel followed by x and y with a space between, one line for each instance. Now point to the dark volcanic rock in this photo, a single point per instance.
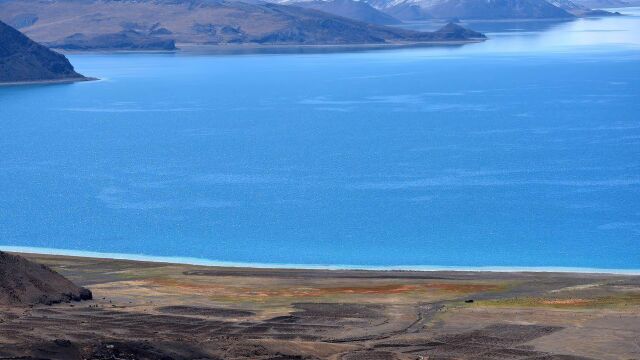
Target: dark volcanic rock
pixel 370 355
pixel 124 40
pixel 141 350
pixel 204 311
pixel 23 282
pixel 337 311
pixel 22 59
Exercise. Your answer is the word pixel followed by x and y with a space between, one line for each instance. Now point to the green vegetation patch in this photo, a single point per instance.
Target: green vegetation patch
pixel 617 301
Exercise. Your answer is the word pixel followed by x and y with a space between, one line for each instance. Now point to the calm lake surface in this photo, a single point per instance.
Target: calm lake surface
pixel 523 150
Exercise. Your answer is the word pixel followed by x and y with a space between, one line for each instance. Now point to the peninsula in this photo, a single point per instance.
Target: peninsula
pixel 25 61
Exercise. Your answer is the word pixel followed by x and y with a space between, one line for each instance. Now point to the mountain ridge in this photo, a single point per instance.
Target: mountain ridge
pixel 75 25
pixel 352 9
pixel 471 9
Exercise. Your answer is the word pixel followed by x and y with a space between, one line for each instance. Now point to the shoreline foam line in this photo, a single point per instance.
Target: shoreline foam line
pixel 217 263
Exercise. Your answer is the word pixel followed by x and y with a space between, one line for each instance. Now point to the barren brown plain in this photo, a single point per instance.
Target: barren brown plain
pixel 146 310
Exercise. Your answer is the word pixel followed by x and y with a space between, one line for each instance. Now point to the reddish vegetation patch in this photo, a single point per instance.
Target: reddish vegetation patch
pixel 462 288
pixel 383 289
pixel 184 286
pixel 401 289
pixel 566 302
pixel 380 289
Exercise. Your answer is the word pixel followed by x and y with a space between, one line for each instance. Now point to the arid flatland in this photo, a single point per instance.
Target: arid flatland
pixel 144 310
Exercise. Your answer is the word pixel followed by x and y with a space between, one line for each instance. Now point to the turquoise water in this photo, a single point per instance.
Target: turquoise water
pixel 522 151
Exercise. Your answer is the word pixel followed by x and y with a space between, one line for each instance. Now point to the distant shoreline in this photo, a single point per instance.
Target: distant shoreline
pixel 45 82
pixel 196 48
pixel 251 265
pixel 181 46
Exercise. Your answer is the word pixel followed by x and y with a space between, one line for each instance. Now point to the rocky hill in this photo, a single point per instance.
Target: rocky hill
pixel 454 31
pixel 23 60
pixel 406 11
pixel 352 9
pixel 471 9
pixel 603 4
pixel 420 10
pixel 23 282
pixel 75 24
pixel 498 9
pixel 581 10
pixel 124 40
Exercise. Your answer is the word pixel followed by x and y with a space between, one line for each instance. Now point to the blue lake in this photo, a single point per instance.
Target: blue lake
pixel 522 151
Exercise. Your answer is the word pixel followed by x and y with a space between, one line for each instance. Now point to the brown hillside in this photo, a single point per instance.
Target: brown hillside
pixel 23 282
